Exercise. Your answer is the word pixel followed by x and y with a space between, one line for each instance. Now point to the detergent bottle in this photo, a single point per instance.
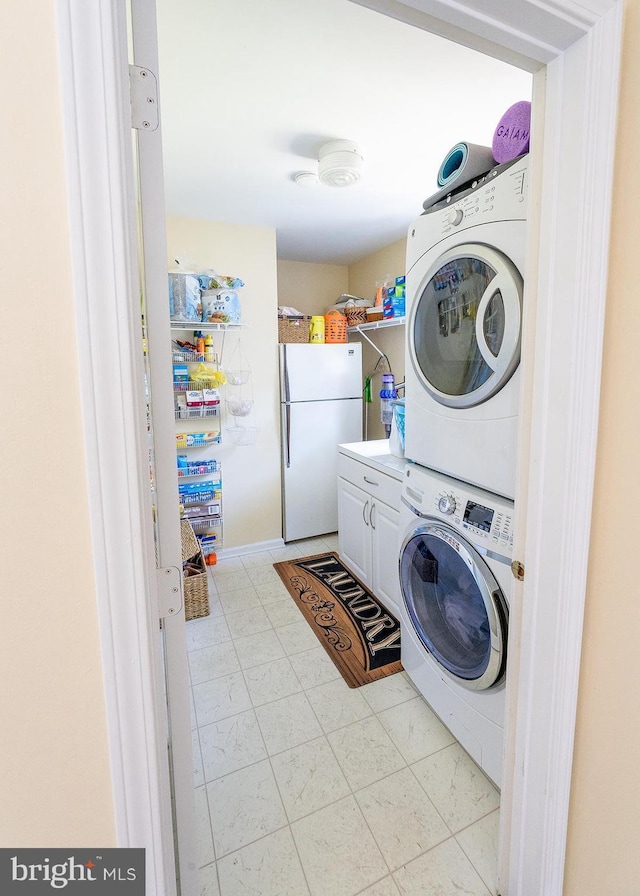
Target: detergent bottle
pixel 316 333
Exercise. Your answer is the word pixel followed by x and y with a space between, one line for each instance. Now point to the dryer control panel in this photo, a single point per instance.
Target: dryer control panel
pixel 490 197
pixel 499 195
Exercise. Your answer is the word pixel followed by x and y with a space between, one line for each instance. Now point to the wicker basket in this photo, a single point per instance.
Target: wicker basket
pixel 294 329
pixel 195 587
pixel 355 314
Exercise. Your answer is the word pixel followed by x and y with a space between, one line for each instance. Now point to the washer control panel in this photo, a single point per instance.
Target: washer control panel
pixel 487 523
pixel 482 517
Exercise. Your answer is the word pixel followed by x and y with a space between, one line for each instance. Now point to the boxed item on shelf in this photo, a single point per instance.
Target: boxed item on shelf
pixel 188 467
pixel 209 542
pixel 196 439
pixel 197 492
pixel 197 511
pixel 387 305
pixel 208 525
pixel 210 397
pixel 180 373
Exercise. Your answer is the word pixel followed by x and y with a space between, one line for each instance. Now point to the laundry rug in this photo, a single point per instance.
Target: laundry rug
pixel 357 631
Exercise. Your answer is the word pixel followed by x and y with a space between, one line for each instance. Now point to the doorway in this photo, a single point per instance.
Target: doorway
pixel 225 89
pixel 544 670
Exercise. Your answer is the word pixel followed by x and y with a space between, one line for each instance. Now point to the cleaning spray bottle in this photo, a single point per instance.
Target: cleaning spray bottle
pixel 387 394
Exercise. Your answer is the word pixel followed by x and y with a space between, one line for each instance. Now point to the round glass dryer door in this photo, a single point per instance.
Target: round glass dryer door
pixel 455 605
pixel 464 328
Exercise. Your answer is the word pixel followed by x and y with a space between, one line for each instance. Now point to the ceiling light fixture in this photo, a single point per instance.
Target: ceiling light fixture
pixel 339 163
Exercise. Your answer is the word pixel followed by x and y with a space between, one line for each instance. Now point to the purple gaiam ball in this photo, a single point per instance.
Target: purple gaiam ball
pixel 511 137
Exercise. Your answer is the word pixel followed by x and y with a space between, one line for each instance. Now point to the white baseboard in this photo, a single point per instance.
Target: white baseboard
pixel 273 544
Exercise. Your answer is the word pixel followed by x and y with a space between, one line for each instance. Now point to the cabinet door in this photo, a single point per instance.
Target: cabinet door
pixel 385 528
pixel 354 530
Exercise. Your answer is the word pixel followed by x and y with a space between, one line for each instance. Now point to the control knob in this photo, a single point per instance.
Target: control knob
pixel 455 216
pixel 447 504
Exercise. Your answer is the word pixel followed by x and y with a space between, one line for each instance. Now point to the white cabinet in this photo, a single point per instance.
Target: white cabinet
pixel 368 527
pixel 354 530
pixel 385 526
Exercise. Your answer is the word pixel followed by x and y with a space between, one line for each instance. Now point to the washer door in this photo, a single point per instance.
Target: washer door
pixel 455 605
pixel 464 326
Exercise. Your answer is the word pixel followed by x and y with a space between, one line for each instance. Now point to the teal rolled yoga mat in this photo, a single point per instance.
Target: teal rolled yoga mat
pixel 463 162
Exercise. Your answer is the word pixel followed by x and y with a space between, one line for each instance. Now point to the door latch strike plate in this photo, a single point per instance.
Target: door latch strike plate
pixel 169 591
pixel 517 568
pixel 143 89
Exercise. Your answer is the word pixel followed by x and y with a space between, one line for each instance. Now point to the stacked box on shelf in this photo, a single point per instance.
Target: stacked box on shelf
pixel 201 502
pixel 196 378
pixel 198 492
pixel 188 467
pixel 197 439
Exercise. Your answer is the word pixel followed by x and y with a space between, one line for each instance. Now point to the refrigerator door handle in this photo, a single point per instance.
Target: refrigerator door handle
pixel 285 377
pixel 287 434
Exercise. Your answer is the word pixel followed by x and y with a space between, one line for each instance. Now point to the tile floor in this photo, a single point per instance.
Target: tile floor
pixel 305 787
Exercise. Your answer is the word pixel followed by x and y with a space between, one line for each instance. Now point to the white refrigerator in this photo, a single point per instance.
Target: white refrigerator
pixel 320 407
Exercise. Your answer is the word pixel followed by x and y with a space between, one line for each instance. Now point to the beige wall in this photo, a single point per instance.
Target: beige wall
pixel 311 288
pixel 55 782
pixel 604 822
pixel 363 277
pixel 251 474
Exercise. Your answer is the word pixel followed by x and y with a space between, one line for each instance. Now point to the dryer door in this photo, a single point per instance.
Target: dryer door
pixel 464 325
pixel 455 605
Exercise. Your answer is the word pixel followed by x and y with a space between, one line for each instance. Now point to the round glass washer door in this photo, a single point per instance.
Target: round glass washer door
pixel 455 605
pixel 464 326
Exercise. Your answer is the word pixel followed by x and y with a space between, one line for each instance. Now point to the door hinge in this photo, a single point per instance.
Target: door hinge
pixel 169 590
pixel 143 89
pixel 517 568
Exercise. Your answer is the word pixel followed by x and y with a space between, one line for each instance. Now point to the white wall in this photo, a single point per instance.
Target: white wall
pixel 55 778
pixel 251 474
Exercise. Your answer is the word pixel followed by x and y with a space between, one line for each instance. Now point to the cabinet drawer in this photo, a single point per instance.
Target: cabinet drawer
pixel 378 485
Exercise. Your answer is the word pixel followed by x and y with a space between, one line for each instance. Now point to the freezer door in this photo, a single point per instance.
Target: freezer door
pixel 320 372
pixel 311 433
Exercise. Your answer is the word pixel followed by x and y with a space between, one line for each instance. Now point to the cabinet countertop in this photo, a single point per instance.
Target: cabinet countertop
pixel 376 454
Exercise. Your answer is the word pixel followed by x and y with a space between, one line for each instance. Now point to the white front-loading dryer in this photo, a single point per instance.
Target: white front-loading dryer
pixel 455 554
pixel 464 287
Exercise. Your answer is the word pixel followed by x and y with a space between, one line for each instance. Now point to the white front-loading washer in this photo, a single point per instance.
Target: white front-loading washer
pixel 464 285
pixel 456 547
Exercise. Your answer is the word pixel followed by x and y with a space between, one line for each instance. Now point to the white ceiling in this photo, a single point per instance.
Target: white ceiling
pixel 251 89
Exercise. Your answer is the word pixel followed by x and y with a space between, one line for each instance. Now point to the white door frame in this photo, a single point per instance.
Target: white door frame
pixel 573 148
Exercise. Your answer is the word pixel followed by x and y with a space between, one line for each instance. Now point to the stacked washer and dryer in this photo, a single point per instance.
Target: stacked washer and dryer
pixel 464 285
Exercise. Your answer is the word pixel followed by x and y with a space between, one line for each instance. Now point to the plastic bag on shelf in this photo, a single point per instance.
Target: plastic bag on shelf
pixel 185 297
pixel 206 378
pixel 221 306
